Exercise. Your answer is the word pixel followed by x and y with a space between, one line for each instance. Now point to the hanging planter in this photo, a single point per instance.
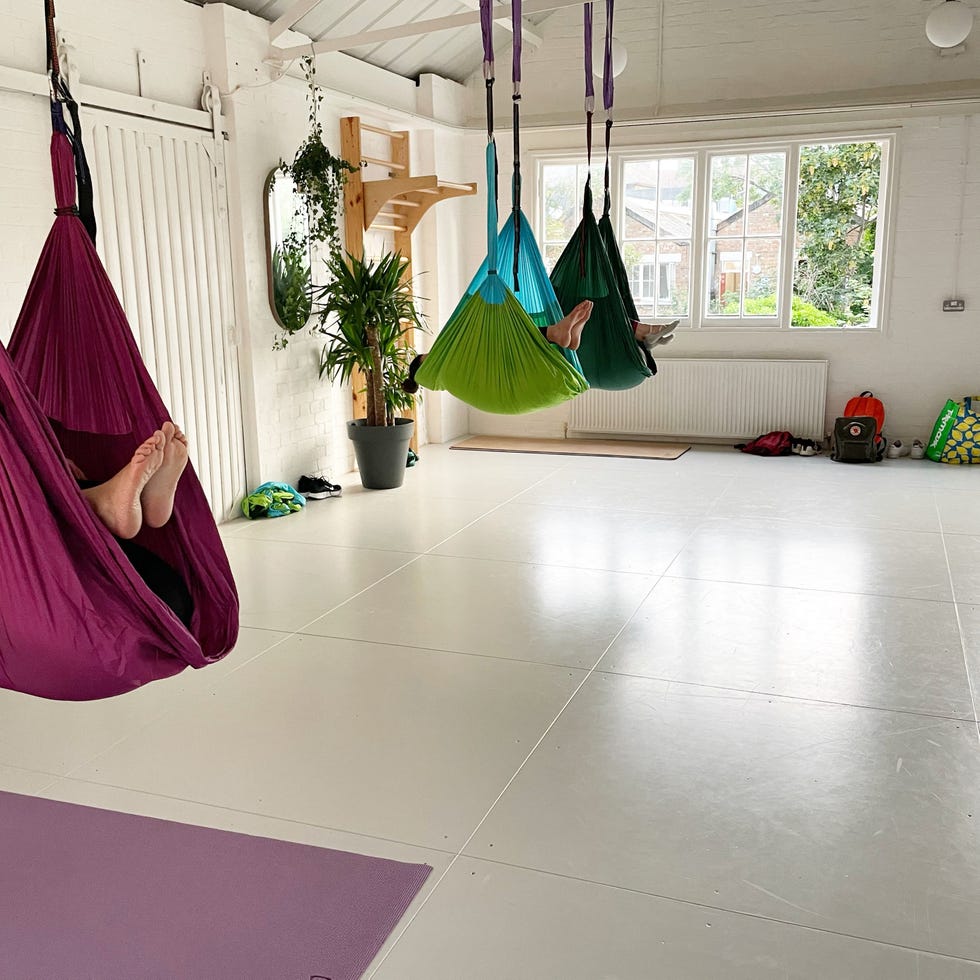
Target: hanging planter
pixel 318 179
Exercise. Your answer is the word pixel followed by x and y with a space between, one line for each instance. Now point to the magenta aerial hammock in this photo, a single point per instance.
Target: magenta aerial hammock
pixel 491 353
pixel 591 267
pixel 77 622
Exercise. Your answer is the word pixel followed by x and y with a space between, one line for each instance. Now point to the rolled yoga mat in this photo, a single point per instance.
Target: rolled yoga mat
pixel 88 893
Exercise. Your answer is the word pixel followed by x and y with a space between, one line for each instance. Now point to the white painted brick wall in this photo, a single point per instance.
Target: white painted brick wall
pixel 300 421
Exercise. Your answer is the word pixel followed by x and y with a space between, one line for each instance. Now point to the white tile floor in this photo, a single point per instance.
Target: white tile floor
pixel 709 718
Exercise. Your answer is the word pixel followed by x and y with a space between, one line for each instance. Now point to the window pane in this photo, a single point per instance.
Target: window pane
pixel 766 178
pixel 724 277
pixel 676 197
pixel 728 195
pixel 640 187
pixel 550 254
pixel 762 276
pixel 659 198
pixel 836 225
pixel 562 204
pixel 674 284
pixel 640 259
pixel 597 179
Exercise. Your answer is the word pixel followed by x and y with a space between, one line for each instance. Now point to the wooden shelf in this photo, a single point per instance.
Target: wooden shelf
pixel 395 204
pixel 418 193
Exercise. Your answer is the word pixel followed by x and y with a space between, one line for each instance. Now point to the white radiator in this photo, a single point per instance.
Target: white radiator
pixel 725 400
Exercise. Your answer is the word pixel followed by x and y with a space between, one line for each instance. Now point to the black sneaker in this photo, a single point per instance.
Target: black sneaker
pixel 316 488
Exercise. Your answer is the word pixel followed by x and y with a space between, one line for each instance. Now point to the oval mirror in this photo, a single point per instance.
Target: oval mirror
pixel 288 251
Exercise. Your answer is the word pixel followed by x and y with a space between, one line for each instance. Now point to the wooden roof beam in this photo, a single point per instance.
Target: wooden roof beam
pixel 415 29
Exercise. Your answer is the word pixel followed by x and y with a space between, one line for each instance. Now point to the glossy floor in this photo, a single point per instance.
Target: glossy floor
pixel 710 718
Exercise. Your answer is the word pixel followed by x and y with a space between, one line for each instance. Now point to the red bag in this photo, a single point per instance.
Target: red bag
pixel 774 443
pixel 866 405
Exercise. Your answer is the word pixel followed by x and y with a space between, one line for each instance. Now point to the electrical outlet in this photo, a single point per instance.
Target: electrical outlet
pixel 953 305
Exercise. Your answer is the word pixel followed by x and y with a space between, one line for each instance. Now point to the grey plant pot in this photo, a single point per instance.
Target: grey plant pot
pixel 381 452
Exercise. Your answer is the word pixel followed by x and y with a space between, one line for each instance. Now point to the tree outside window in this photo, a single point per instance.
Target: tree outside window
pixel 836 234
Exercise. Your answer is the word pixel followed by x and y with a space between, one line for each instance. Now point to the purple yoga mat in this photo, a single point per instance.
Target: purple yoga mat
pixel 87 893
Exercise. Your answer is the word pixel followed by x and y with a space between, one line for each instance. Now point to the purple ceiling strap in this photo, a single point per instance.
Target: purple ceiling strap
pixel 589 82
pixel 607 74
pixel 517 22
pixel 486 25
pixel 608 91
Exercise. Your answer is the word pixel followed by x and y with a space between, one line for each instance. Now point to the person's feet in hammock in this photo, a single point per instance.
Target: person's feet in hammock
pixel 117 501
pixel 158 495
pixel 654 334
pixel 567 332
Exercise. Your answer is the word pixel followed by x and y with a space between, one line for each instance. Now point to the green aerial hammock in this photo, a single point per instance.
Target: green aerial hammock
pixel 591 267
pixel 519 261
pixel 491 354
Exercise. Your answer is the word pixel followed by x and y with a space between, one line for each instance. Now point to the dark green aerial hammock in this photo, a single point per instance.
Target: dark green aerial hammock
pixel 491 353
pixel 591 266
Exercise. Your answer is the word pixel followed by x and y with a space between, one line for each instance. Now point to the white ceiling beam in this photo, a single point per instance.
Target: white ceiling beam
pixel 326 45
pixel 531 38
pixel 291 18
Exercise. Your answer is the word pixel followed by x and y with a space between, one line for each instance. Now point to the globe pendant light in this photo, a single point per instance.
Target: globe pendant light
pixel 619 56
pixel 949 24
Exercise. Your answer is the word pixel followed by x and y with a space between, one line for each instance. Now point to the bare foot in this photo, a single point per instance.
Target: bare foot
pixel 117 501
pixel 158 495
pixel 567 332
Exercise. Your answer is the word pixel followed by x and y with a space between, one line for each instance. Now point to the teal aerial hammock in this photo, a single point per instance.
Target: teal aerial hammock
pixel 519 261
pixel 491 353
pixel 591 267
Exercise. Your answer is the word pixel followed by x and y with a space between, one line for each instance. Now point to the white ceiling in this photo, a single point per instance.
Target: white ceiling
pixel 454 54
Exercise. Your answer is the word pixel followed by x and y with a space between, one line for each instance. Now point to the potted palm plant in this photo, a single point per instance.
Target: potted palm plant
pixel 365 311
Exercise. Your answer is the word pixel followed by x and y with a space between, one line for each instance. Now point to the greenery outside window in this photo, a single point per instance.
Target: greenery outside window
pixel 747 235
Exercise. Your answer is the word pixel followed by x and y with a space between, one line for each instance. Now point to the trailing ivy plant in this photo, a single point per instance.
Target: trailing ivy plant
pixel 318 176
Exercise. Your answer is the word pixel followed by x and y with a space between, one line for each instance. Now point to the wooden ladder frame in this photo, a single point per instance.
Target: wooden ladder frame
pixel 396 204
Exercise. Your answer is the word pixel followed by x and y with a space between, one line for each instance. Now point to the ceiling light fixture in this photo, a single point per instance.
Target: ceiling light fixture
pixel 949 24
pixel 619 56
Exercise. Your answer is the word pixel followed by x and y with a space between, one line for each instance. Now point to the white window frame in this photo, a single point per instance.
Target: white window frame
pixel 702 152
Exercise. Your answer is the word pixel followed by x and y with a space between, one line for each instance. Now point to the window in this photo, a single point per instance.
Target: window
pixel 744 234
pixel 657 206
pixel 761 235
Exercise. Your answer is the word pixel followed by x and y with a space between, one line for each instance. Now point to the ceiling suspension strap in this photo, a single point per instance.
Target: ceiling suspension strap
pixel 608 92
pixel 486 26
pixel 517 21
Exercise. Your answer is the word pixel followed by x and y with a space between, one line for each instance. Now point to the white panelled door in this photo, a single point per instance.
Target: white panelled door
pixel 162 212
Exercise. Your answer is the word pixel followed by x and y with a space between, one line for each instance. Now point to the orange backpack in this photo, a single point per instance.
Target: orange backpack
pixel 866 405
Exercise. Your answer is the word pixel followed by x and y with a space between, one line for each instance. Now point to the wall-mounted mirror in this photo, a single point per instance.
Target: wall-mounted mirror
pixel 289 253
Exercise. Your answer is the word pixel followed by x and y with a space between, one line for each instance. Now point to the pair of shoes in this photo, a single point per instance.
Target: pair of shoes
pixel 805 447
pixel 316 488
pixel 413 458
pixel 898 449
pixel 918 451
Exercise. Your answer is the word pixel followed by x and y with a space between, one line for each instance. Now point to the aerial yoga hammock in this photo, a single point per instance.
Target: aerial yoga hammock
pixel 491 353
pixel 519 261
pixel 591 266
pixel 77 622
